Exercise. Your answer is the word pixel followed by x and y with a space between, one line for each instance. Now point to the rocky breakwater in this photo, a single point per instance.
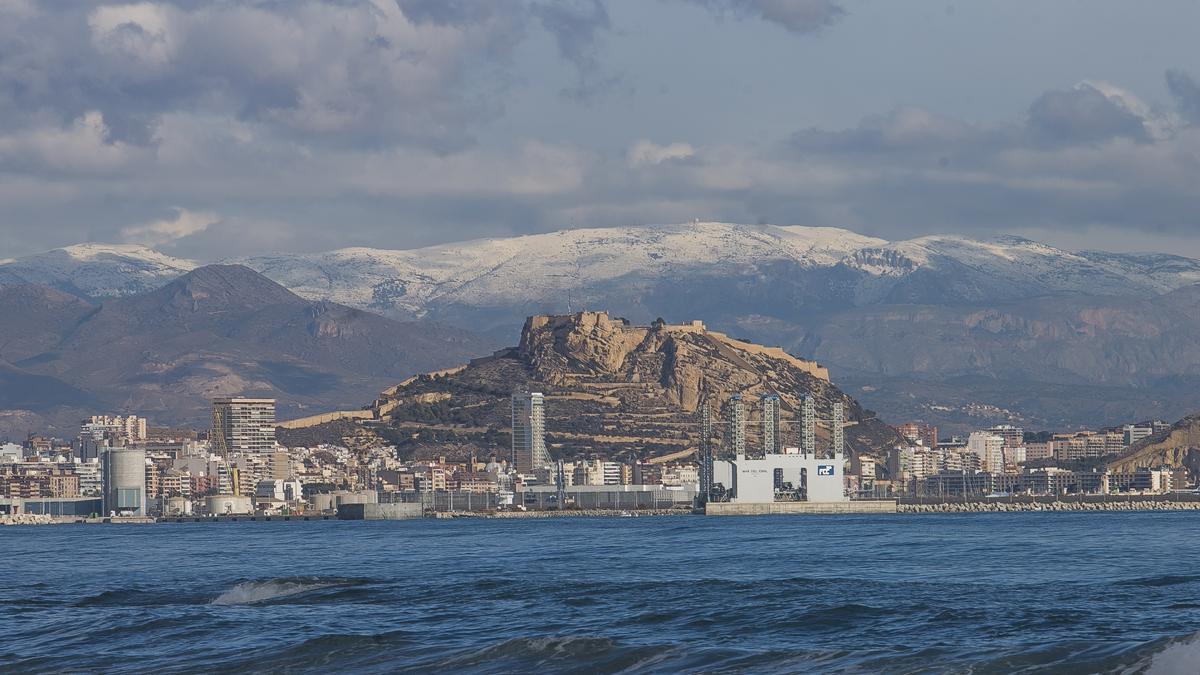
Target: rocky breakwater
pixel 27 519
pixel 566 513
pixel 1066 505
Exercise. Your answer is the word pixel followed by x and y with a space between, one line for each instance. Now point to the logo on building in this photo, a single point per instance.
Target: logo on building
pixel 824 469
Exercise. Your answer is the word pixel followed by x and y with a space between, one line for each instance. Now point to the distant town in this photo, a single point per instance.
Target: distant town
pixel 124 467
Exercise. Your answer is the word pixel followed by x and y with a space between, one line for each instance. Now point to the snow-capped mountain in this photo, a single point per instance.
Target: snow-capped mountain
pixel 647 270
pixel 1036 328
pixel 96 270
pixel 557 268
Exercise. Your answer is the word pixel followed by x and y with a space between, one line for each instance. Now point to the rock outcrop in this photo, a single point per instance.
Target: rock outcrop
pixel 612 388
pixel 1178 447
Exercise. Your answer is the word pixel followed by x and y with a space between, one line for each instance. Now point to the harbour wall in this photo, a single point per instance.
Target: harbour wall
pixel 1156 503
pixel 394 511
pixel 785 508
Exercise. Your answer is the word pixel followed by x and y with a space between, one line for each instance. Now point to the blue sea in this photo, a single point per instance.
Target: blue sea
pixel 988 593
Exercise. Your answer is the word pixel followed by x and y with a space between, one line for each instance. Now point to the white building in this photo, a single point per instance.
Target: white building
pixel 243 425
pixel 529 432
pixel 799 477
pixel 989 448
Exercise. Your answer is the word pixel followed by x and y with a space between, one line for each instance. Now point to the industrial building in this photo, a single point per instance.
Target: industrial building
pixel 243 425
pixel 789 475
pixel 124 481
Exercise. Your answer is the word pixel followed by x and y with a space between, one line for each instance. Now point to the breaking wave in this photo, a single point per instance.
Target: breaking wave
pixel 269 590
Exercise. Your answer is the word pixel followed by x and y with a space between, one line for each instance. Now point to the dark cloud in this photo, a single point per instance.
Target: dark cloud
pixel 1187 94
pixel 1083 114
pixel 350 72
pixel 578 27
pixel 797 16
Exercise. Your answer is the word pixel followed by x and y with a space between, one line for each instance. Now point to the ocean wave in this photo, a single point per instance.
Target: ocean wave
pixel 560 654
pixel 262 591
pixel 1162 580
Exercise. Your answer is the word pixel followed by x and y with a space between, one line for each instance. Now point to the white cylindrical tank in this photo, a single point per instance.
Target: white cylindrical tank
pixel 179 506
pixel 361 497
pixel 229 505
pixel 124 482
pixel 323 502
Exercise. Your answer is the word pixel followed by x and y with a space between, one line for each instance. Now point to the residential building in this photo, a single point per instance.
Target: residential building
pixel 989 448
pixel 529 432
pixel 243 426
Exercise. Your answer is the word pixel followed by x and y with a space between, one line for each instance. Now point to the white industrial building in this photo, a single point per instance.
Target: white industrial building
pixel 782 477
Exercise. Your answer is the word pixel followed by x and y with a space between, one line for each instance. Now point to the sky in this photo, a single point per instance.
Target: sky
pixel 218 129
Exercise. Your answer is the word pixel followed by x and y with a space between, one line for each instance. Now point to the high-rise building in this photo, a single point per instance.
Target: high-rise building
pixel 837 430
pixel 529 432
pixel 1014 437
pixel 808 426
pixel 989 448
pixel 737 426
pixel 124 479
pixel 243 425
pixel 770 424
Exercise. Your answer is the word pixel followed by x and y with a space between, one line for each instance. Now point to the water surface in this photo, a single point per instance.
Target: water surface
pixel 1026 592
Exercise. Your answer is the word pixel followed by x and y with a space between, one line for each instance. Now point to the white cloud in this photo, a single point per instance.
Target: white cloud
pixel 644 153
pixel 156 233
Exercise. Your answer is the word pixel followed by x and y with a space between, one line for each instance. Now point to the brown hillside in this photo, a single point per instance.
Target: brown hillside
pixel 611 388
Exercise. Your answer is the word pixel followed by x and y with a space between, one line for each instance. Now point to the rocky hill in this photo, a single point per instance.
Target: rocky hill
pixel 611 388
pixel 1178 447
pixel 217 331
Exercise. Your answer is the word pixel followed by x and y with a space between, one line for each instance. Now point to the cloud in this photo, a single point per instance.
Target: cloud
pixel 1086 113
pixel 84 146
pixel 156 233
pixel 797 16
pixel 1186 92
pixel 352 72
pixel 644 153
pixel 578 27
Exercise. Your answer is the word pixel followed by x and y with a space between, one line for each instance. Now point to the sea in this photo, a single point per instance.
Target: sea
pixel 954 593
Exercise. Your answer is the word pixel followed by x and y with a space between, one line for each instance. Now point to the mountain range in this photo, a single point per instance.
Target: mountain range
pixel 944 329
pixel 218 330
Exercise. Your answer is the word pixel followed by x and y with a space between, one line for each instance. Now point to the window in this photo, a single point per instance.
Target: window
pixel 129 498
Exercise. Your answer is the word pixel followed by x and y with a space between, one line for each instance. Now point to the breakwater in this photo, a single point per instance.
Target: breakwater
pixel 27 519
pixel 1049 504
pixel 565 513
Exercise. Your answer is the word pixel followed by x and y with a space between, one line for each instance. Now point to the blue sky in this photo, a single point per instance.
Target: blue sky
pixel 215 129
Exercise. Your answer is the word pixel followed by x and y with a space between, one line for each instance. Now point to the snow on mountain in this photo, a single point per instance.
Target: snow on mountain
pixel 805 265
pixel 96 270
pixel 545 266
pixel 1025 267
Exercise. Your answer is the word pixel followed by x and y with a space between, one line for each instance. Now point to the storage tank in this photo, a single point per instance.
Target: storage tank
pixel 323 501
pixel 362 497
pixel 179 506
pixel 124 482
pixel 229 505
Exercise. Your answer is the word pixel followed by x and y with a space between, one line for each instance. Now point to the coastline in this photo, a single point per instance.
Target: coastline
pixel 997 506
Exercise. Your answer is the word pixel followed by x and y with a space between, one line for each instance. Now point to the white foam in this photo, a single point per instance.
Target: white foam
pixel 1177 658
pixel 251 592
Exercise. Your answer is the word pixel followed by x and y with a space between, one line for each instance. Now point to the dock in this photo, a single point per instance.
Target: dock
pixel 797 508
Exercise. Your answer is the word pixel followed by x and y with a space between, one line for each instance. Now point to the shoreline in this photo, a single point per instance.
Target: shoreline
pixel 989 506
pixel 997 506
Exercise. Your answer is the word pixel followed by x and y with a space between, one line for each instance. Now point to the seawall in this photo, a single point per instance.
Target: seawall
pixel 797 508
pixel 999 506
